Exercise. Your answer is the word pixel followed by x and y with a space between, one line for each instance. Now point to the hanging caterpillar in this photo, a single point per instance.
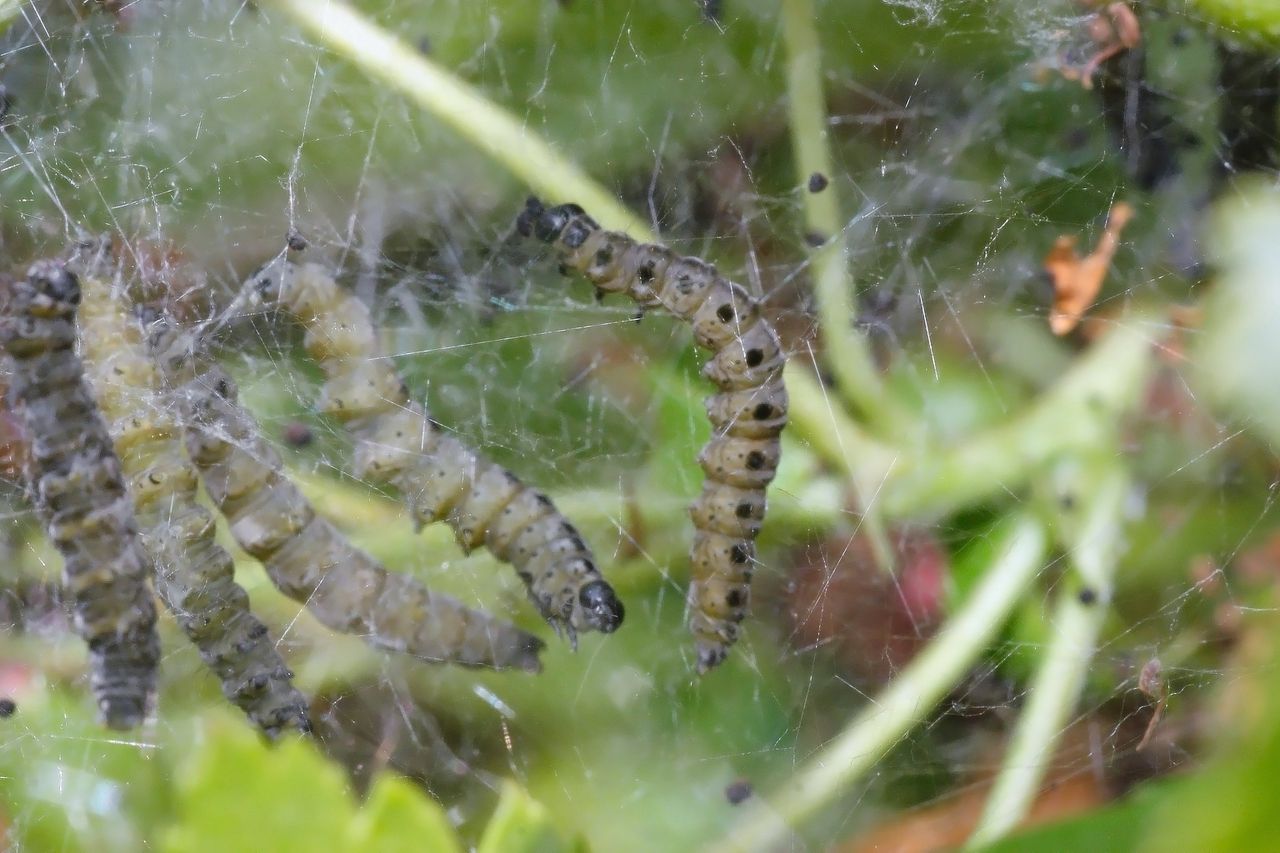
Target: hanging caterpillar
pixel 80 493
pixel 304 555
pixel 195 576
pixel 747 415
pixel 398 443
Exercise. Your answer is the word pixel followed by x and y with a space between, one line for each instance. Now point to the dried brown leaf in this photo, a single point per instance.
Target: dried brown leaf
pixel 1076 280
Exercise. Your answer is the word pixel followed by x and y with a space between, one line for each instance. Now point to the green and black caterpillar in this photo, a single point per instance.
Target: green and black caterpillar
pixel 80 493
pixel 304 555
pixel 195 576
pixel 747 415
pixel 399 444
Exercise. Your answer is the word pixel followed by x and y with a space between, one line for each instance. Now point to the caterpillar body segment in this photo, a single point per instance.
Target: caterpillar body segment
pixel 304 555
pixel 195 576
pixel 398 443
pixel 80 494
pixel 747 414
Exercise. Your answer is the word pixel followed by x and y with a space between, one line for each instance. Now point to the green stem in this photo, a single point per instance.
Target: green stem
pixel 490 128
pixel 1057 685
pixel 908 700
pixel 847 352
pixel 833 435
pixel 1080 412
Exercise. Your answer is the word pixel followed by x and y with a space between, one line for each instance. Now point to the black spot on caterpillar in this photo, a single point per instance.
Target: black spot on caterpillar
pixel 747 414
pixel 304 555
pixel 80 493
pixel 8 708
pixel 398 443
pixel 195 576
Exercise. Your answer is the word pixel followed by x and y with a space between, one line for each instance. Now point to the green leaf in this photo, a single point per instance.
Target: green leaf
pixel 239 793
pixel 520 825
pixel 398 816
pixel 1254 20
pixel 66 786
pixel 1240 341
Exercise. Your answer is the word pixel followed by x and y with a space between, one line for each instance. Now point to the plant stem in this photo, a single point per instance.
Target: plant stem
pixel 845 349
pixel 908 700
pixel 477 119
pixel 1057 685
pixel 847 352
pixel 1080 412
pixel 835 436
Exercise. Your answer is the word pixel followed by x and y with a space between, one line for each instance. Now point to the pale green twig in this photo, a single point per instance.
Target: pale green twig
pixel 490 128
pixel 907 701
pixel 846 350
pixel 1055 689
pixel 1078 413
pixel 834 435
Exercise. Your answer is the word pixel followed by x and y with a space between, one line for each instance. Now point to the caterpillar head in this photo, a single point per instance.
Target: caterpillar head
pixel 567 222
pixel 51 288
pixel 39 311
pixel 601 609
pixel 266 284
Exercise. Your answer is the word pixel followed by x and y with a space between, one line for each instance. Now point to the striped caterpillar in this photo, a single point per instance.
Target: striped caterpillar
pixel 195 576
pixel 304 555
pixel 399 444
pixel 80 493
pixel 747 415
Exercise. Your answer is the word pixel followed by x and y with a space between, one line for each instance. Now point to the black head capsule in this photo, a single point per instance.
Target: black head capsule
pixel 550 222
pixel 266 285
pixel 604 610
pixel 533 209
pixel 54 281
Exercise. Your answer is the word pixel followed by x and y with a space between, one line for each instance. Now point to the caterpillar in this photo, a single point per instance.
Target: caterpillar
pixel 399 444
pixel 747 414
pixel 80 495
pixel 304 555
pixel 195 576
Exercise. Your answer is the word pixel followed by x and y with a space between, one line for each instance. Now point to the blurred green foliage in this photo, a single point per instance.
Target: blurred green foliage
pixel 209 129
pixel 1255 21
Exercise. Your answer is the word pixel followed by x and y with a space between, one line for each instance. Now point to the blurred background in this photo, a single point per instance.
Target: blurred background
pixel 977 150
